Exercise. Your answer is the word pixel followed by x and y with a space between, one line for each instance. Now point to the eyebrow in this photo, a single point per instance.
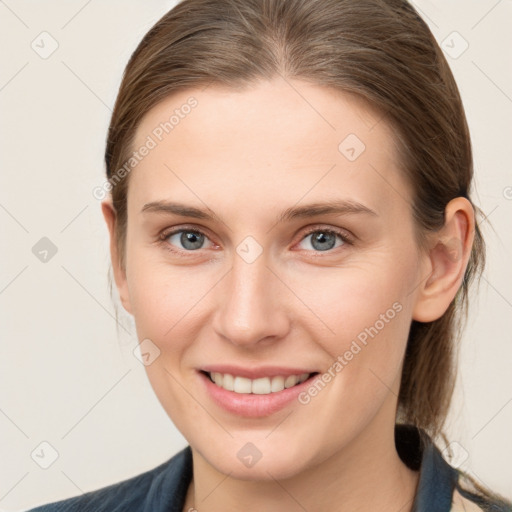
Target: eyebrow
pixel 339 207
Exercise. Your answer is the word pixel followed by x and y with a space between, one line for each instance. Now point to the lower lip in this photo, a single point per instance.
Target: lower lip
pixel 250 405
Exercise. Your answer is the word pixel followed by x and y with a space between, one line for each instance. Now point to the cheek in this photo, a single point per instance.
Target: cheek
pixel 349 299
pixel 368 310
pixel 164 297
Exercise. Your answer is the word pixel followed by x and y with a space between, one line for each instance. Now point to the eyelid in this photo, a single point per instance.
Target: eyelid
pixel 346 236
pixel 166 233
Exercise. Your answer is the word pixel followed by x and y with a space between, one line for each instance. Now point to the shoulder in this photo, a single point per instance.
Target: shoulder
pixel 147 491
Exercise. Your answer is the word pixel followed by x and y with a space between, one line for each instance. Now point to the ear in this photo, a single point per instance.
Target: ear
pixel 446 261
pixel 109 214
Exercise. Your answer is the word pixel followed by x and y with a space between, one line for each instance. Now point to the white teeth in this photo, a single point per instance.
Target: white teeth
pixel 261 386
pixel 242 385
pixel 277 384
pixel 290 381
pixel 228 382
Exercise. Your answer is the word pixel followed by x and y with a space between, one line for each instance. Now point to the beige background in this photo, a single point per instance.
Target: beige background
pixel 67 377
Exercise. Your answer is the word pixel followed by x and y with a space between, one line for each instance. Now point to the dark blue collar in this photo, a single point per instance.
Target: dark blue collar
pixel 437 478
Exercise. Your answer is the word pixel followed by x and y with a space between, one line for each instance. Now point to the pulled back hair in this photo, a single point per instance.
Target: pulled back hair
pixel 380 50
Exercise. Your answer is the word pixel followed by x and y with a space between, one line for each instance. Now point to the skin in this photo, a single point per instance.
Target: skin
pixel 247 156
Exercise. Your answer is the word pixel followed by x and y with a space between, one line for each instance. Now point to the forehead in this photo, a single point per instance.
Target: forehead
pixel 278 139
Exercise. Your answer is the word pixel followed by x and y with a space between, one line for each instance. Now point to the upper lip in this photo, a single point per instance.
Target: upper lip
pixel 255 372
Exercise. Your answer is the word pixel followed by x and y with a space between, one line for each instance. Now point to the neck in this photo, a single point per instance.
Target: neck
pixel 368 475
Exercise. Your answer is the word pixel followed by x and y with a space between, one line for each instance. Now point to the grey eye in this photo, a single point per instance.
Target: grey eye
pixel 323 240
pixel 189 240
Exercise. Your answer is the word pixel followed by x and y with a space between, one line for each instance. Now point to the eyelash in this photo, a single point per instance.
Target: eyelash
pixel 162 239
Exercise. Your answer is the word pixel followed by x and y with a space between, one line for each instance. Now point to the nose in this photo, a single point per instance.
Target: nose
pixel 251 304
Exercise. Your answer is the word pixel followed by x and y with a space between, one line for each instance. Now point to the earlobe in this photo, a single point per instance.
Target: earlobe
pixel 109 215
pixel 447 259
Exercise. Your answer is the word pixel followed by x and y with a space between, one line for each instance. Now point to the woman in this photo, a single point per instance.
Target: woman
pixel 292 230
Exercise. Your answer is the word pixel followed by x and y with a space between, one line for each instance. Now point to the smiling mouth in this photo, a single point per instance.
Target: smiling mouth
pixel 260 386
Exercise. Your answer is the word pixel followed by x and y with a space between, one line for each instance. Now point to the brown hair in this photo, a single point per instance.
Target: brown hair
pixel 380 50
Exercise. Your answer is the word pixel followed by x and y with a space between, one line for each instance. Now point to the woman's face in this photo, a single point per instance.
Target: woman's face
pixel 289 253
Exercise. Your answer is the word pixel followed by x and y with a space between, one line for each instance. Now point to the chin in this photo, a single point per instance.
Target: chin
pixel 259 460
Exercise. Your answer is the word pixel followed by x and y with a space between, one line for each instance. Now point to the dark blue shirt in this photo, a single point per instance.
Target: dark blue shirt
pixel 164 488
